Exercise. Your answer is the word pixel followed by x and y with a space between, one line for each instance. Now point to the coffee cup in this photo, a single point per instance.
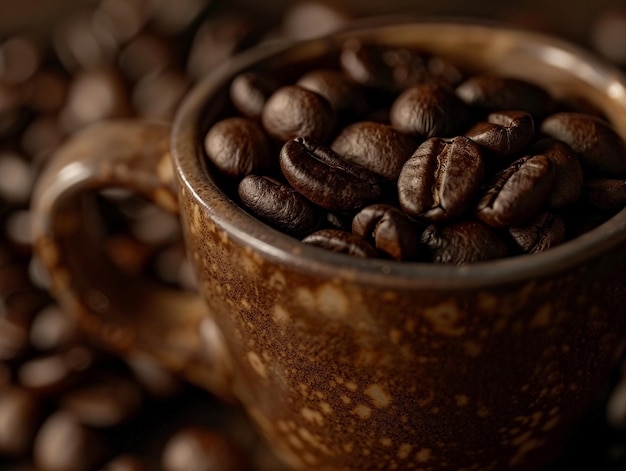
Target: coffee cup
pixel 346 363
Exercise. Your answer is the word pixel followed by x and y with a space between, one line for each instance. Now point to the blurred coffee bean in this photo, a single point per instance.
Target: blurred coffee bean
pixel 343 242
pixel 309 19
pixel 124 19
pixel 157 96
pixel 158 382
pixel 18 230
pixel 63 444
pixel 108 400
pixel 95 94
pixel 375 146
pixel 171 265
pixel 46 91
pixel 218 38
pixel 13 338
pixel 598 145
pixel 293 111
pixel 201 449
pixel 20 57
pixel 173 18
pixel 16 178
pixel 51 373
pixel 20 415
pixel 52 329
pixel 496 93
pixel 146 54
pixel 41 137
pixel 463 242
pixel 82 43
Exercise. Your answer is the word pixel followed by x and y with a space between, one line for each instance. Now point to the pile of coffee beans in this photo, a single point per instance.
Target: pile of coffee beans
pixel 65 403
pixel 394 153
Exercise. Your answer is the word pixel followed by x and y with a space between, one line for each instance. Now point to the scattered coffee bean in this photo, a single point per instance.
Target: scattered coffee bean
pixel 250 91
pixel 340 241
pixel 504 134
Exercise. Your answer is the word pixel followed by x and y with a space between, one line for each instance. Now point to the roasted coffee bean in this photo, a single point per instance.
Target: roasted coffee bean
pixel 375 146
pixel 463 242
pixel 108 401
pixel 249 92
pixel 568 172
pixel 518 192
pixel 238 147
pixel 598 145
pixel 607 195
pixel 497 93
pixel 346 98
pixel 391 230
pixel 294 111
pixel 441 179
pixel 541 233
pixel 63 444
pixel 430 109
pixel 201 449
pixel 341 242
pixel 279 205
pixel 326 179
pixel 20 414
pixel 504 134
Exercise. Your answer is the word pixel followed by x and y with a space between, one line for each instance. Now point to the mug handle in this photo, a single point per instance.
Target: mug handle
pixel 128 314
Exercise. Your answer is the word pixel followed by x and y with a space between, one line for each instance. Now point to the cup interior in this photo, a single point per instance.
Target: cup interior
pixel 562 68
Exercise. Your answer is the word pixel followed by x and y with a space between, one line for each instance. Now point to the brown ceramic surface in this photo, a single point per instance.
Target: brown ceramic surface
pixel 349 364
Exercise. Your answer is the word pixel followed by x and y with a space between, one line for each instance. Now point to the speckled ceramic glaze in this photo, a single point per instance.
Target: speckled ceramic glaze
pixel 349 364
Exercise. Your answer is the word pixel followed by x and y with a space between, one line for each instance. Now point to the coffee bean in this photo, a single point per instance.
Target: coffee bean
pixel 375 146
pixel 108 401
pixel 607 195
pixel 238 147
pixel 568 172
pixel 20 414
pixel 279 205
pixel 391 230
pixel 430 109
pixel 598 145
pixel 346 98
pixel 201 449
pixel 497 93
pixel 325 178
pixel 463 242
pixel 313 18
pixel 518 192
pixel 249 92
pixel 541 233
pixel 504 134
pixel 294 111
pixel 441 179
pixel 52 329
pixel 63 444
pixel 341 242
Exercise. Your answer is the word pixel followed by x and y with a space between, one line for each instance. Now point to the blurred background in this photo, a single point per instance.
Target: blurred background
pixel 65 403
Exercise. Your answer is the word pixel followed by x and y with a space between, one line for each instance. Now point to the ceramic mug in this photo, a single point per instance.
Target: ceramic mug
pixel 344 363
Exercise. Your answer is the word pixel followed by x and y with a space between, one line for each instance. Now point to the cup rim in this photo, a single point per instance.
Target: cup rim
pixel 276 246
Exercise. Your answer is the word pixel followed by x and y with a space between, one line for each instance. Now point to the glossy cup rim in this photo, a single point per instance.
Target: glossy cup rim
pixel 277 247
